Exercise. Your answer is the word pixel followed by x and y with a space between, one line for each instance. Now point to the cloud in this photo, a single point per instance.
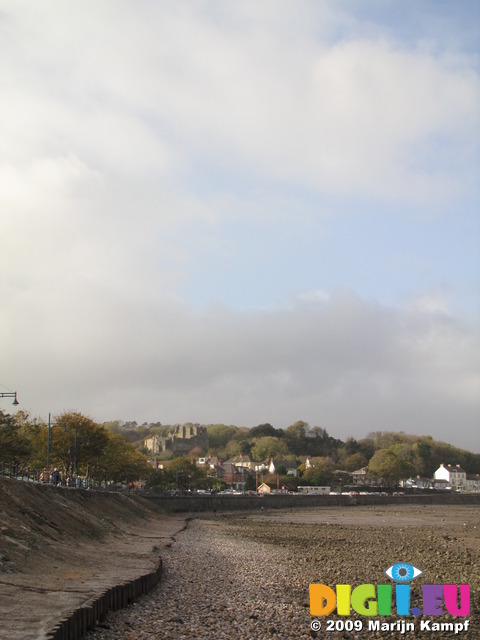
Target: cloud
pixel 350 365
pixel 131 91
pixel 164 164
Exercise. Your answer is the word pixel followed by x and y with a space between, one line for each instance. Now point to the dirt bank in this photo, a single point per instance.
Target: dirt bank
pixel 60 547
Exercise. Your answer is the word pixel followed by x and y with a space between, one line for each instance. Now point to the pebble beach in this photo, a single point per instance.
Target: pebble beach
pixel 246 577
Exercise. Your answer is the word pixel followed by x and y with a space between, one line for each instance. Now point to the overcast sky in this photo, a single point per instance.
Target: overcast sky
pixel 243 212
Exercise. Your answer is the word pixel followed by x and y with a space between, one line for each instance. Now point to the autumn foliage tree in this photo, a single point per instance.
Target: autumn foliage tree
pixel 74 444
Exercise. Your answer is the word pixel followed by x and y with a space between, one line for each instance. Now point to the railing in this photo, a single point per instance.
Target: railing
pixel 42 476
pixel 17 471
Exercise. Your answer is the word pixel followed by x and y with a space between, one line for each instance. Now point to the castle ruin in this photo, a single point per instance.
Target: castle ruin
pixel 182 439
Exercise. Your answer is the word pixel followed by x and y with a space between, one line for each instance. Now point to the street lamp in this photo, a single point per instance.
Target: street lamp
pixel 50 425
pixel 10 394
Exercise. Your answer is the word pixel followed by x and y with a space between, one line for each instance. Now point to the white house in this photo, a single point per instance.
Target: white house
pixel 455 476
pixel 290 466
pixel 419 483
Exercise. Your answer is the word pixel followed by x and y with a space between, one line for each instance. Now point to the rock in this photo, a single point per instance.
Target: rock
pixel 176 619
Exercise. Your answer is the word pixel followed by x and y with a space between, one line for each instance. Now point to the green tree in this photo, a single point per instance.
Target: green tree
pixel 219 435
pixel 354 462
pixel 266 429
pixel 183 475
pixel 320 473
pixel 268 447
pixel 119 461
pixel 232 448
pixel 423 451
pixel 14 445
pixel 77 443
pixel 250 484
pixel 296 437
pixel 387 466
pixel 245 447
pixel 351 446
pixel 407 455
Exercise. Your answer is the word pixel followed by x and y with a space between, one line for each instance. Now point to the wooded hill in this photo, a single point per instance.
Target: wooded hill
pixel 114 451
pixel 408 455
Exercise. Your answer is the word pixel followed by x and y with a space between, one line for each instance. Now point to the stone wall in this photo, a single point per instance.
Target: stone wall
pixel 198 504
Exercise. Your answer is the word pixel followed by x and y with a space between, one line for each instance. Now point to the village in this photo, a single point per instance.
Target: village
pixel 241 474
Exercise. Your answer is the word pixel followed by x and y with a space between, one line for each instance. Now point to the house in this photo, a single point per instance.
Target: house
pixel 235 476
pixel 360 476
pixel 243 461
pixel 289 465
pixel 473 482
pixel 263 488
pixel 211 462
pixel 442 485
pixel 419 483
pixel 454 475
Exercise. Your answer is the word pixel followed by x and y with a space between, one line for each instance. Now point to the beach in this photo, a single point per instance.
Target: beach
pixel 242 576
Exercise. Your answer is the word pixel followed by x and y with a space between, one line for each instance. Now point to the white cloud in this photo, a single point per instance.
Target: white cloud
pixel 126 89
pixel 134 133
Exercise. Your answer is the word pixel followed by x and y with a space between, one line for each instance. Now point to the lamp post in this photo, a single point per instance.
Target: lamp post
pixel 10 394
pixel 50 425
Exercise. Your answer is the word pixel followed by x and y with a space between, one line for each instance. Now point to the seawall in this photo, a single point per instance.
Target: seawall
pixel 199 504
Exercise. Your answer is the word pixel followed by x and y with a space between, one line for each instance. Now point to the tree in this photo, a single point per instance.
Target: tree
pixel 387 466
pixel 182 474
pixel 295 437
pixel 268 447
pixel 119 461
pixel 319 443
pixel 266 429
pixel 408 457
pixel 33 433
pixel 366 447
pixel 232 448
pixel 77 443
pixel 245 447
pixel 14 446
pixel 423 450
pixel 250 484
pixel 320 473
pixel 219 435
pixel 354 462
pixel 351 446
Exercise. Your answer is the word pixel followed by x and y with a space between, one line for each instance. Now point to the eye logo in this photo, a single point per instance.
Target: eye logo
pixel 403 572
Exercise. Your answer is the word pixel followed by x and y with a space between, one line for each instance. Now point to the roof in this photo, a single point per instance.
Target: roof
pixel 453 468
pixel 363 471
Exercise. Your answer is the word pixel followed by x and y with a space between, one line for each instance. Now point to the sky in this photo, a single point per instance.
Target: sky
pixel 243 212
